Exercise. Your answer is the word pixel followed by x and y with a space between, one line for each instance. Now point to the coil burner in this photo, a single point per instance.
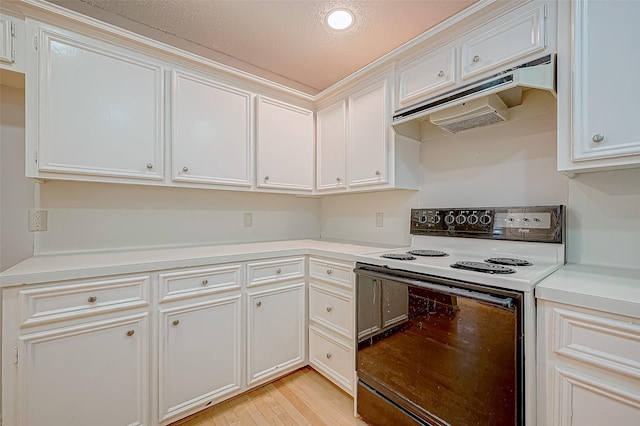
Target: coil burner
pixel 398 256
pixel 486 268
pixel 428 253
pixel 509 261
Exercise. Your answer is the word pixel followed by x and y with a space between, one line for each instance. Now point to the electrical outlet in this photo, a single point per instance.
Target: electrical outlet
pixel 37 220
pixel 248 220
pixel 379 219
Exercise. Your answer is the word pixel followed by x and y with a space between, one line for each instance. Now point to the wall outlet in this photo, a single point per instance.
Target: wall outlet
pixel 37 220
pixel 379 220
pixel 248 220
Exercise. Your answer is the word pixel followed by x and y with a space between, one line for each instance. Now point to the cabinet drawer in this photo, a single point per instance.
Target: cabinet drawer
pixel 194 282
pixel 273 271
pixel 332 310
pixel 602 342
pixel 65 301
pixel 512 40
pixel 337 273
pixel 332 358
pixel 425 75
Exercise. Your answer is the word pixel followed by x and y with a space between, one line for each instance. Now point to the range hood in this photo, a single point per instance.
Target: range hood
pixel 482 102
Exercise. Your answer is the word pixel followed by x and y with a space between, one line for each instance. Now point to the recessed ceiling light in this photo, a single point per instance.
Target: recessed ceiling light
pixel 340 19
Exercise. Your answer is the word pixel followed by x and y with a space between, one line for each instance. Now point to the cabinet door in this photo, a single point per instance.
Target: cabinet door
pixel 211 125
pixel 6 40
pixel 605 96
pixel 90 374
pixel 369 135
pixel 426 75
pixel 99 108
pixel 276 331
pixel 513 40
pixel 285 146
pixel 200 355
pixel 332 147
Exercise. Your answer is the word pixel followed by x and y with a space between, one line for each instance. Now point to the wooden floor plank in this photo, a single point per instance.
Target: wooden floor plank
pixel 303 398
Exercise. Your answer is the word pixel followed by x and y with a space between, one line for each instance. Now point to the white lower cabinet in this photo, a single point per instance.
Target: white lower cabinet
pixel 332 321
pixel 84 361
pixel 275 331
pixel 200 354
pixel 589 367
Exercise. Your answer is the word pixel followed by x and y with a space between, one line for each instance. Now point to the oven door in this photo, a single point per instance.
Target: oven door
pixel 442 351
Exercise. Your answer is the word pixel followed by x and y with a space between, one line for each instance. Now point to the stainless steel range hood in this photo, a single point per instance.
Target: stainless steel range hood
pixel 482 102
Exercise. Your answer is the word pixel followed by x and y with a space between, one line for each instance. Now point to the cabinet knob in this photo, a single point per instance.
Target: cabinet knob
pixel 259 304
pixel 328 355
pixel 329 272
pixel 92 299
pixel 378 173
pixel 329 309
pixel 476 58
pixel 175 323
pixel 278 271
pixel 597 138
pixel 149 166
pixel 441 73
pixel 266 178
pixel 205 282
pixel 338 179
pixel 185 169
pixel 130 333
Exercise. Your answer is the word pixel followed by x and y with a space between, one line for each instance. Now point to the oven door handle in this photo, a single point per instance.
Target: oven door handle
pixel 504 302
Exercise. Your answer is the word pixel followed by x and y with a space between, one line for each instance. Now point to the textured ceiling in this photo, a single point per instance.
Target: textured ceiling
pixel 284 41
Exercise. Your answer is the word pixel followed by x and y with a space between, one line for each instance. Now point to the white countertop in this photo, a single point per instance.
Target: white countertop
pixel 47 268
pixel 612 290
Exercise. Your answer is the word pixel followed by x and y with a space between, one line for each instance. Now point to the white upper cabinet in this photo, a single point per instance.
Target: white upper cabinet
pixel 284 146
pixel 598 97
pixel 519 36
pixel 93 109
pixel 211 132
pixel 369 114
pixel 426 75
pixel 12 43
pixel 332 147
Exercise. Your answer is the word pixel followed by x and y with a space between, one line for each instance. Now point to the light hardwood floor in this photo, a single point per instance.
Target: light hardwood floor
pixel 301 398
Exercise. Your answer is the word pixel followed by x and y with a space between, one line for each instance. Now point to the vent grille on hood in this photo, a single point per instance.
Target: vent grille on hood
pixel 471 114
pixel 538 74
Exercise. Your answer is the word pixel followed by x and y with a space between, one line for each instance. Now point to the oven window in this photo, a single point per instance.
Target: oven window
pixel 447 359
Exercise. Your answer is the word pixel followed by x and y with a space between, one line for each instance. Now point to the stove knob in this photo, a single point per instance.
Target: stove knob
pixel 460 219
pixel 422 219
pixel 448 219
pixel 436 219
pixel 485 219
pixel 472 219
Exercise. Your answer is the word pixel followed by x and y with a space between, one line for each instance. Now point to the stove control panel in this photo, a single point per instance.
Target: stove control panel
pixel 536 223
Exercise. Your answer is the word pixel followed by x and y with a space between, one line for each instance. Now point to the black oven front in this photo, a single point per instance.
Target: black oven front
pixel 437 351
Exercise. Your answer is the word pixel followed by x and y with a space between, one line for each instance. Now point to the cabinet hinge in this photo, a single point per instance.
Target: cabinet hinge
pixel 15 354
pixel 13 56
pixel 35 42
pixel 546 10
pixel 13 29
pixel 35 155
pixel 546 40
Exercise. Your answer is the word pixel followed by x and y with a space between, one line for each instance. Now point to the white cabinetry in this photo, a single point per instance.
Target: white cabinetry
pixel 284 146
pixel 200 346
pixel 93 109
pixel 276 318
pixel 332 321
pixel 77 353
pixel 12 43
pixel 597 99
pixel 211 132
pixel 589 367
pixel 331 151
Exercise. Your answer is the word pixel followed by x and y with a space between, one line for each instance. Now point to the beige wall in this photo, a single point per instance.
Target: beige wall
pixel 16 193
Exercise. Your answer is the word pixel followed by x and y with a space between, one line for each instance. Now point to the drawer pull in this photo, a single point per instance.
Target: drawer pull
pixel 329 272
pixel 278 271
pixel 441 73
pixel 598 138
pixel 329 309
pixel 328 355
pixel 175 323
pixel 205 282
pixel 130 333
pixel 92 299
pixel 476 58
pixel 259 304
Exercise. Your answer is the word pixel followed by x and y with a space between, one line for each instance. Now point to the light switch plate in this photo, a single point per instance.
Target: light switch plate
pixel 379 219
pixel 248 220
